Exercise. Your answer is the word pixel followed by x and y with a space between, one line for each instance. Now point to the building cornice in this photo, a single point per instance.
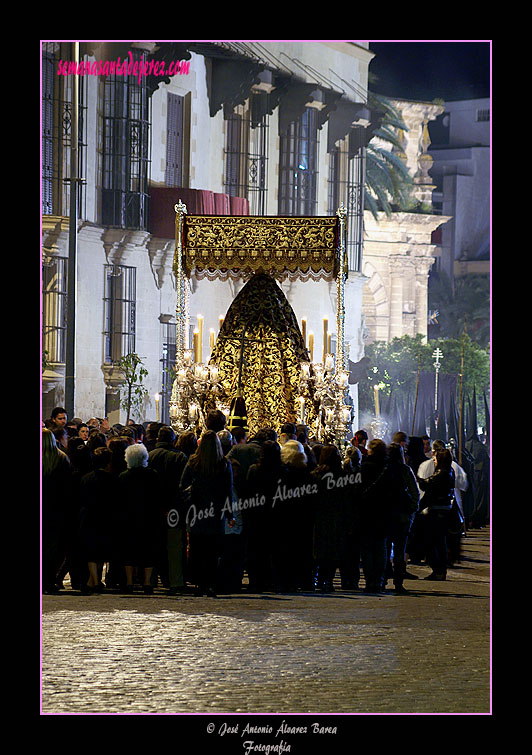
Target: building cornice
pixel 404 220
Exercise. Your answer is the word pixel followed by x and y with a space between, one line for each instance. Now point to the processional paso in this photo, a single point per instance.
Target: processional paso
pixel 260 372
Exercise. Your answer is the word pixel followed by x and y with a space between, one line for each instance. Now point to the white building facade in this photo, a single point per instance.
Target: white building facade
pixel 461 155
pixel 275 128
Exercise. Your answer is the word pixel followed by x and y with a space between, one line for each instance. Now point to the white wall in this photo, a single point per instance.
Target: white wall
pixel 465 130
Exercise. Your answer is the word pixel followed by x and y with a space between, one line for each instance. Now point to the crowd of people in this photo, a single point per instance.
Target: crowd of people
pixel 131 508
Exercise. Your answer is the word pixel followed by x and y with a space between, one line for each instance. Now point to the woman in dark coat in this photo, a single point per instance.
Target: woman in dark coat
pixel 374 505
pixel 438 502
pixel 56 498
pixel 74 563
pixel 414 456
pixel 259 517
pixel 142 522
pixel 207 487
pixel 294 518
pixel 415 453
pixel 334 488
pixel 405 499
pixel 350 555
pixel 98 497
pixel 117 446
pixel 116 575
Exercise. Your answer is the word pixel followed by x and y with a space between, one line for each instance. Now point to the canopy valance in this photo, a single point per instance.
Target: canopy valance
pixel 228 246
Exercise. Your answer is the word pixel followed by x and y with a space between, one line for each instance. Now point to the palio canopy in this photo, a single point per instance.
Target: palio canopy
pixel 237 247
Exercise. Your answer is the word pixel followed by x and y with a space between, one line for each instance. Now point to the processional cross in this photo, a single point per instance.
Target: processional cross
pixel 437 355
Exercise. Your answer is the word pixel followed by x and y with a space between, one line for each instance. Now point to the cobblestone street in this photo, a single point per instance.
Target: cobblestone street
pixel 341 653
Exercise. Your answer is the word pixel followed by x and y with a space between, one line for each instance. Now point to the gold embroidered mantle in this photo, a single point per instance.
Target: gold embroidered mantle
pixel 261 335
pixel 240 246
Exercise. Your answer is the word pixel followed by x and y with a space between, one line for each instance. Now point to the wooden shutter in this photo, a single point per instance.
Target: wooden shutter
pixel 174 140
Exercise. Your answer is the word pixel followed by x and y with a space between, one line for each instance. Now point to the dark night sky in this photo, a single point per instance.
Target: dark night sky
pixel 447 70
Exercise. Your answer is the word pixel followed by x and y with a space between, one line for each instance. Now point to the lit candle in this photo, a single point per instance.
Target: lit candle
pixel 157 416
pixel 220 322
pixel 196 345
pixel 377 410
pixel 304 330
pixel 211 338
pixel 200 339
pixel 305 370
pixel 329 362
pixel 301 409
pixel 188 356
pixel 311 345
pixel 325 329
pixel 343 378
pixel 192 412
pixel 329 343
pixel 346 414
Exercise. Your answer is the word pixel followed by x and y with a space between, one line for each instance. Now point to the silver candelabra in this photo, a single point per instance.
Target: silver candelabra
pixel 194 386
pixel 329 389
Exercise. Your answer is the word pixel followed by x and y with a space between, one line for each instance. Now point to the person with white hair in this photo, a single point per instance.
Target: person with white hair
pixel 136 456
pixel 143 522
pixel 293 453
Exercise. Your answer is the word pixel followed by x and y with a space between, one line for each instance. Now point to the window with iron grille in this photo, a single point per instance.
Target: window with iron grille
pixel 56 132
pixel 119 312
pixel 54 314
pixel 235 154
pixel 346 185
pixel 298 168
pixel 483 115
pixel 337 184
pixel 247 156
pixel 167 368
pixel 126 150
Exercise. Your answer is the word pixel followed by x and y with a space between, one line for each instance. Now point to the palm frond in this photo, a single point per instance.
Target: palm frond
pixel 388 180
pixel 392 115
pixel 388 136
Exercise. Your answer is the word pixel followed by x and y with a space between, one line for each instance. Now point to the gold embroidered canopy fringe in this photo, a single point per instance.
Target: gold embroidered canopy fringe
pixel 238 247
